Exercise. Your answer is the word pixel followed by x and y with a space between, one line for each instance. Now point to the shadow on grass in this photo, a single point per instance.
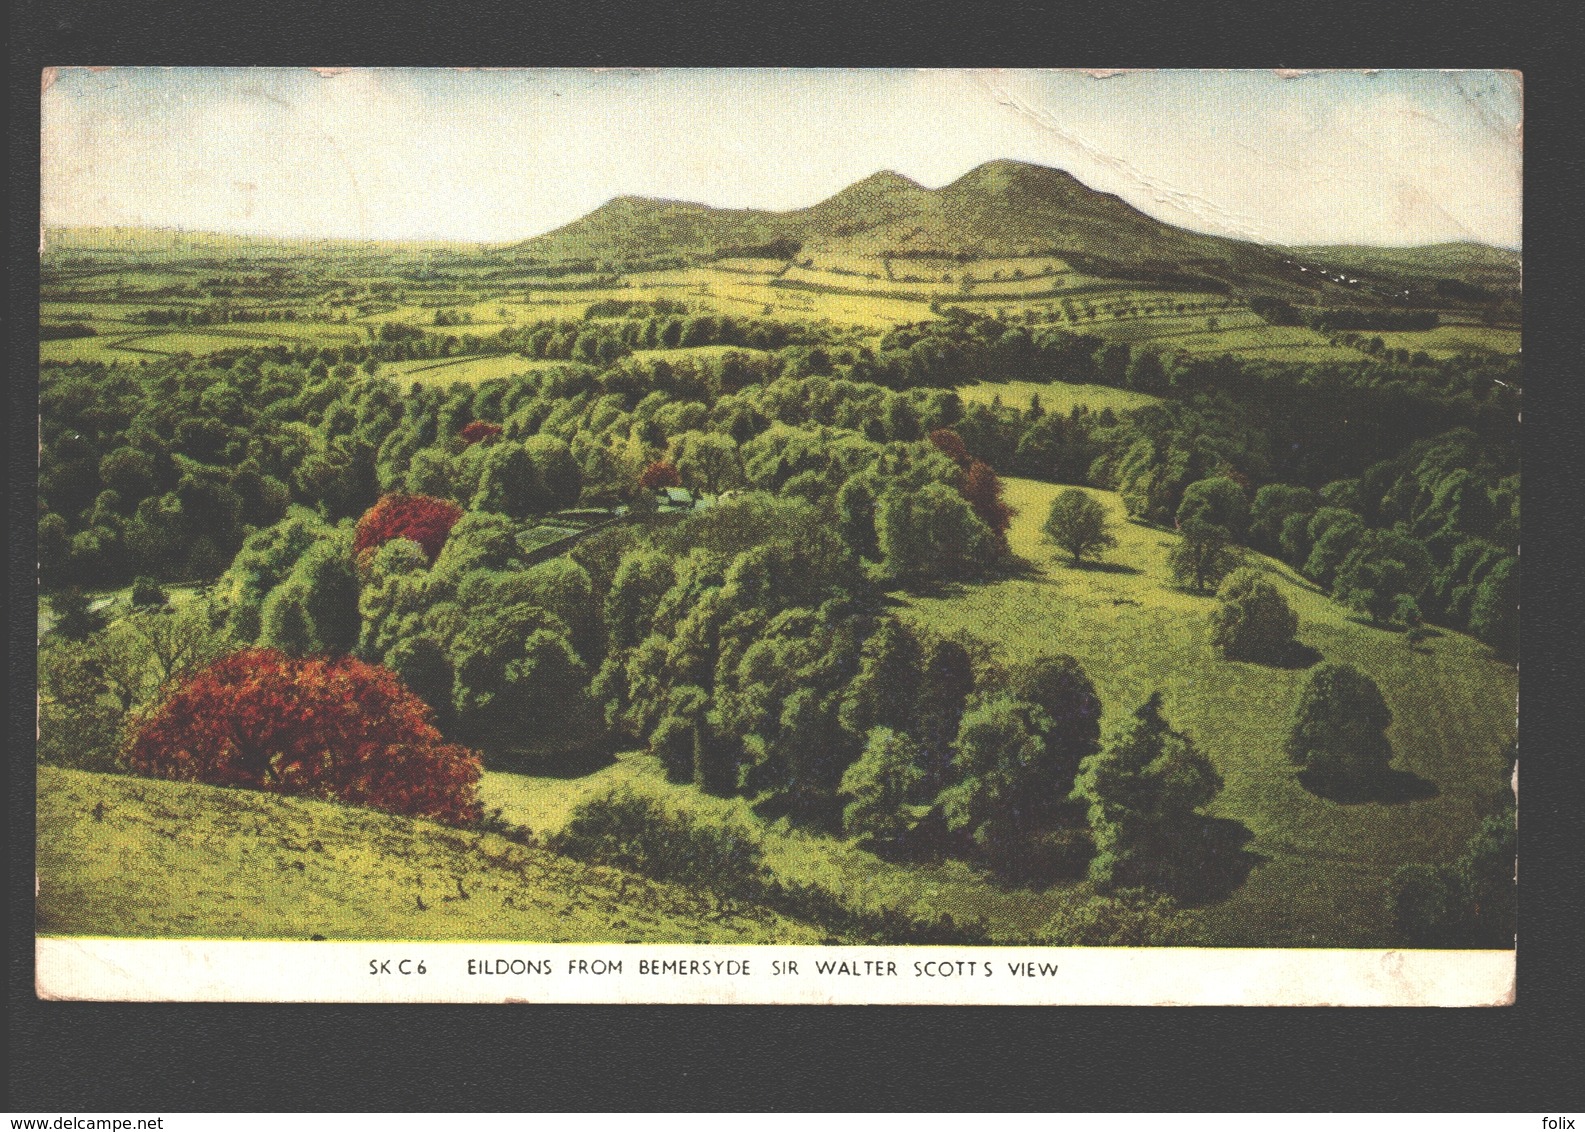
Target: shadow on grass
pixel 1214 863
pixel 1299 581
pixel 1058 855
pixel 572 761
pixel 1296 655
pixel 947 587
pixel 1384 626
pixel 1097 567
pixel 1392 788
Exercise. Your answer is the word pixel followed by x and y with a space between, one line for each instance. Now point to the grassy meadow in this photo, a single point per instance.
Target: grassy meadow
pixel 122 856
pixel 1057 397
pixel 1323 868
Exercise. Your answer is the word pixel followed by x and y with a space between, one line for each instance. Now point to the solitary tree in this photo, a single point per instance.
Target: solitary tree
pixel 1252 620
pixel 1143 789
pixel 1078 524
pixel 1203 557
pixel 1338 730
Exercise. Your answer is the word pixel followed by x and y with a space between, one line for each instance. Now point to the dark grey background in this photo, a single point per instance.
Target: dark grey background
pixel 87 1057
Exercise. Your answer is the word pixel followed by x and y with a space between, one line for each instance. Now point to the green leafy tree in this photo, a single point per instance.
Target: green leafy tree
pixel 558 480
pixel 885 690
pixel 516 675
pixel 509 483
pixel 1202 557
pixel 931 533
pixel 1273 506
pixel 1059 686
pixel 1218 502
pixel 148 594
pixel 75 618
pixel 1078 524
pixel 675 739
pixel 79 720
pixel 1252 620
pixel 1144 790
pixel 881 785
pixel 707 462
pixel 263 563
pixel 423 665
pixel 856 516
pixel 1018 749
pixel 946 681
pixel 1382 568
pixel 1333 533
pixel 315 610
pixel 1494 614
pixel 999 767
pixel 1468 905
pixel 641 580
pixel 783 702
pixel 1338 730
pixel 1146 374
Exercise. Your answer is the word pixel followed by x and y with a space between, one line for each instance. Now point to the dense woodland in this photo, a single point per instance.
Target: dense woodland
pixel 163 469
pixel 334 513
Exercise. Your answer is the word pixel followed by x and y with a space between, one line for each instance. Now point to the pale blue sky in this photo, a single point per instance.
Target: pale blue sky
pixel 1389 157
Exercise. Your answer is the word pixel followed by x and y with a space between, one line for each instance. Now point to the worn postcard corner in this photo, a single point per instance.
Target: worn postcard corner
pixel 778 536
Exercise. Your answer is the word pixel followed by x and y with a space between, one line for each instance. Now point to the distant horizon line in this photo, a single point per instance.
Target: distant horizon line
pixel 257 235
pixel 877 174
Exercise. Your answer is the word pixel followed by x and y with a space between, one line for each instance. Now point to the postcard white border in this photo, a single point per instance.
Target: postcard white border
pixel 117 970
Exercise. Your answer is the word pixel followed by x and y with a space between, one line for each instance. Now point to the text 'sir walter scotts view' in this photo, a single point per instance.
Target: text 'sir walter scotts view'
pixel 1001 510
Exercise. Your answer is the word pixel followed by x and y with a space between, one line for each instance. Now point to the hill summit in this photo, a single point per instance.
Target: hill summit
pixel 1002 208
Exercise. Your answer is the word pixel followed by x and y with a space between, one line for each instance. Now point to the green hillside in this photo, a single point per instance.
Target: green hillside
pixel 1321 870
pixel 999 209
pixel 137 857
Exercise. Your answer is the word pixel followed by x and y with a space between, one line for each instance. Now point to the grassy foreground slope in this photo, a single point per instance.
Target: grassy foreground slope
pixel 1322 870
pixel 136 857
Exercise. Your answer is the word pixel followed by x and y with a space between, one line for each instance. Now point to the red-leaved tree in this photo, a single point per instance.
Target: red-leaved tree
pixel 662 473
pixel 422 518
pixel 475 431
pixel 320 727
pixel 981 487
pixel 952 446
pixel 977 482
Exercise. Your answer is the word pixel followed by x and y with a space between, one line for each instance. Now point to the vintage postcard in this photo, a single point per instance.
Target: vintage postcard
pixel 779 536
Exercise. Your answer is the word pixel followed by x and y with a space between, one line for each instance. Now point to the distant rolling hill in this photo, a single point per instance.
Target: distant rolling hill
pixel 999 209
pixel 125 240
pixel 1469 263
